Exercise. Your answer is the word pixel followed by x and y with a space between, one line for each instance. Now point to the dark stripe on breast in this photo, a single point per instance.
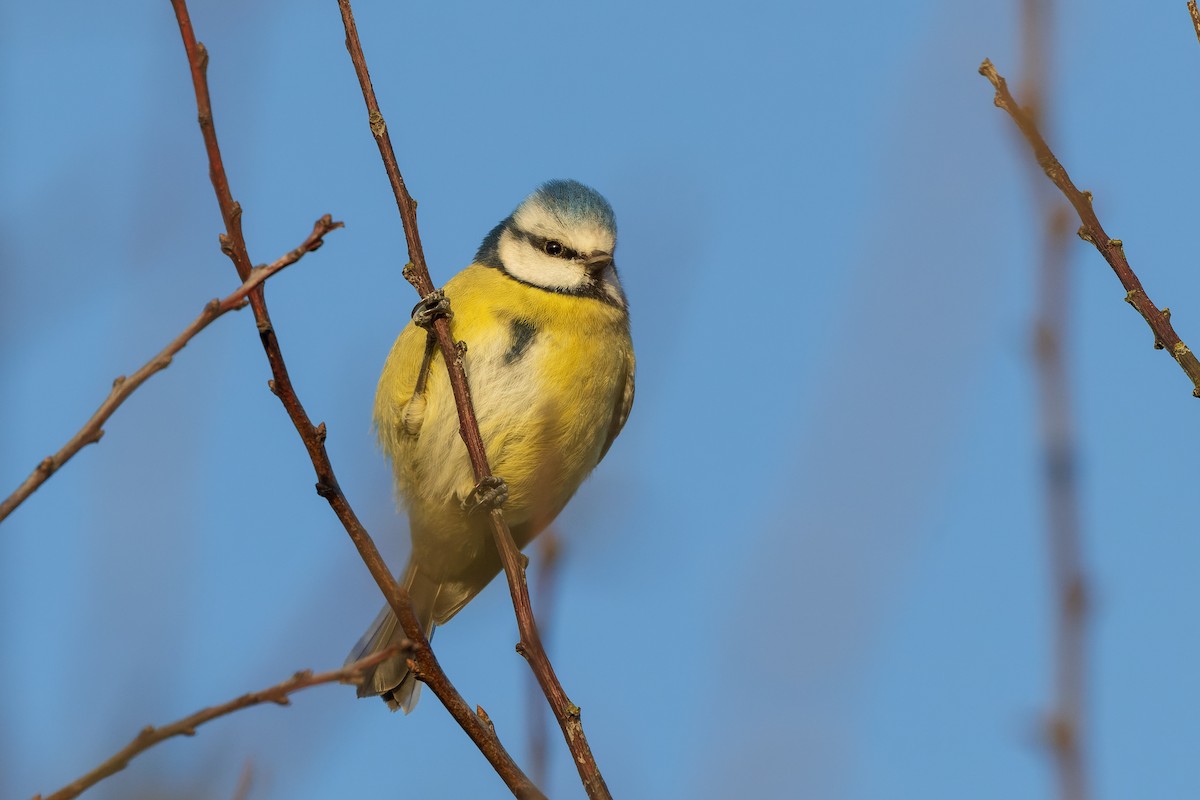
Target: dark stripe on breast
pixel 523 332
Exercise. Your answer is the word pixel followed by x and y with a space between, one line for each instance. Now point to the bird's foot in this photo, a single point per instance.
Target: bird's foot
pixel 491 492
pixel 432 306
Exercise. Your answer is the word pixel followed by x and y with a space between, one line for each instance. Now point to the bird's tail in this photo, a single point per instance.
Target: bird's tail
pixel 392 680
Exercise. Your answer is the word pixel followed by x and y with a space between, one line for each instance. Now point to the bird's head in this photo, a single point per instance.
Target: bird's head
pixel 560 238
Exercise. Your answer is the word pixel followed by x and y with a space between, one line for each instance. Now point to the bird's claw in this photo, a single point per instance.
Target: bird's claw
pixel 432 306
pixel 491 492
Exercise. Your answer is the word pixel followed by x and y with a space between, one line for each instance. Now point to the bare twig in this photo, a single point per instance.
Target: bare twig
pixel 245 782
pixel 1195 12
pixel 417 273
pixel 150 736
pixel 1091 231
pixel 124 386
pixel 549 553
pixel 1065 727
pixel 1065 731
pixel 423 661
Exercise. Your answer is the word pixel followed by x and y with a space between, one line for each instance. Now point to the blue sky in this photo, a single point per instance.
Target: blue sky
pixel 812 565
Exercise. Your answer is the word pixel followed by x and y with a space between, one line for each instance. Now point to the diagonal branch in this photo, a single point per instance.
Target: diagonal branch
pixel 1113 251
pixel 417 273
pixel 279 693
pixel 233 244
pixel 124 386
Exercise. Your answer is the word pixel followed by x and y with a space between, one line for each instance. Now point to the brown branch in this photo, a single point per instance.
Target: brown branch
pixel 417 273
pixel 124 386
pixel 1065 732
pixel 245 782
pixel 150 736
pixel 1195 12
pixel 1091 231
pixel 423 661
pixel 1065 725
pixel 549 554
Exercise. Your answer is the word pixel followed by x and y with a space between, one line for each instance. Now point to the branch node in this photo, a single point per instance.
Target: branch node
pixel 117 382
pixel 264 326
pixel 1180 350
pixel 573 711
pixel 1131 297
pixel 46 465
pixel 484 718
pixel 378 125
pixel 320 432
pixel 271 385
pixel 1115 243
pixel 202 57
pixel 326 490
pixel 1060 733
pixel 226 244
pixel 1085 234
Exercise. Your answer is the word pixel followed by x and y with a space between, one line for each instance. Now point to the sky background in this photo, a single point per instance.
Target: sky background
pixel 813 565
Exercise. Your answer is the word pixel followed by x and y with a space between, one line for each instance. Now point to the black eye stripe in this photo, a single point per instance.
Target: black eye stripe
pixel 551 247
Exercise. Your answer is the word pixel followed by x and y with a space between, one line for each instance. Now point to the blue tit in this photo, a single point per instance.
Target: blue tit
pixel 550 364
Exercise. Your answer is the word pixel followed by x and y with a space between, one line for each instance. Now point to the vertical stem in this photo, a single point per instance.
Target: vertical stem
pixel 1065 725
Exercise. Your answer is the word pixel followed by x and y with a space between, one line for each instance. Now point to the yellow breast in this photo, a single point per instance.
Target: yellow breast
pixel 547 374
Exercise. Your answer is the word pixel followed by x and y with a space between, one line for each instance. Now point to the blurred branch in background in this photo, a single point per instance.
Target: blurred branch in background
pixel 1091 230
pixel 548 558
pixel 417 273
pixel 149 736
pixel 124 386
pixel 1065 731
pixel 246 779
pixel 233 244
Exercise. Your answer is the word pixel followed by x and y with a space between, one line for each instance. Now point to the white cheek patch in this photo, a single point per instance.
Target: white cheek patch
pixel 528 264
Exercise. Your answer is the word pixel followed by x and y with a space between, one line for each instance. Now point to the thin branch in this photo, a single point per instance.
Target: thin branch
pixel 124 386
pixel 417 273
pixel 1065 727
pixel 150 736
pixel 1091 231
pixel 1065 733
pixel 1195 12
pixel 423 661
pixel 549 555
pixel 245 782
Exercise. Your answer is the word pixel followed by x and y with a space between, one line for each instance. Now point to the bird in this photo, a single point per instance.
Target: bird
pixel 549 358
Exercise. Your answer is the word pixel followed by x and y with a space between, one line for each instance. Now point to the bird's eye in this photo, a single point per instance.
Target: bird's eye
pixel 553 248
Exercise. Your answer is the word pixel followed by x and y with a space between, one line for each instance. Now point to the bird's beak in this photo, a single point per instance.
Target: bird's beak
pixel 598 262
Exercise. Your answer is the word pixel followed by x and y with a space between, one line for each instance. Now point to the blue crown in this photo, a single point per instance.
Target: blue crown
pixel 569 200
pixel 575 202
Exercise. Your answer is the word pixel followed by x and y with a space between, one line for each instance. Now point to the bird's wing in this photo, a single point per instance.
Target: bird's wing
pixel 623 405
